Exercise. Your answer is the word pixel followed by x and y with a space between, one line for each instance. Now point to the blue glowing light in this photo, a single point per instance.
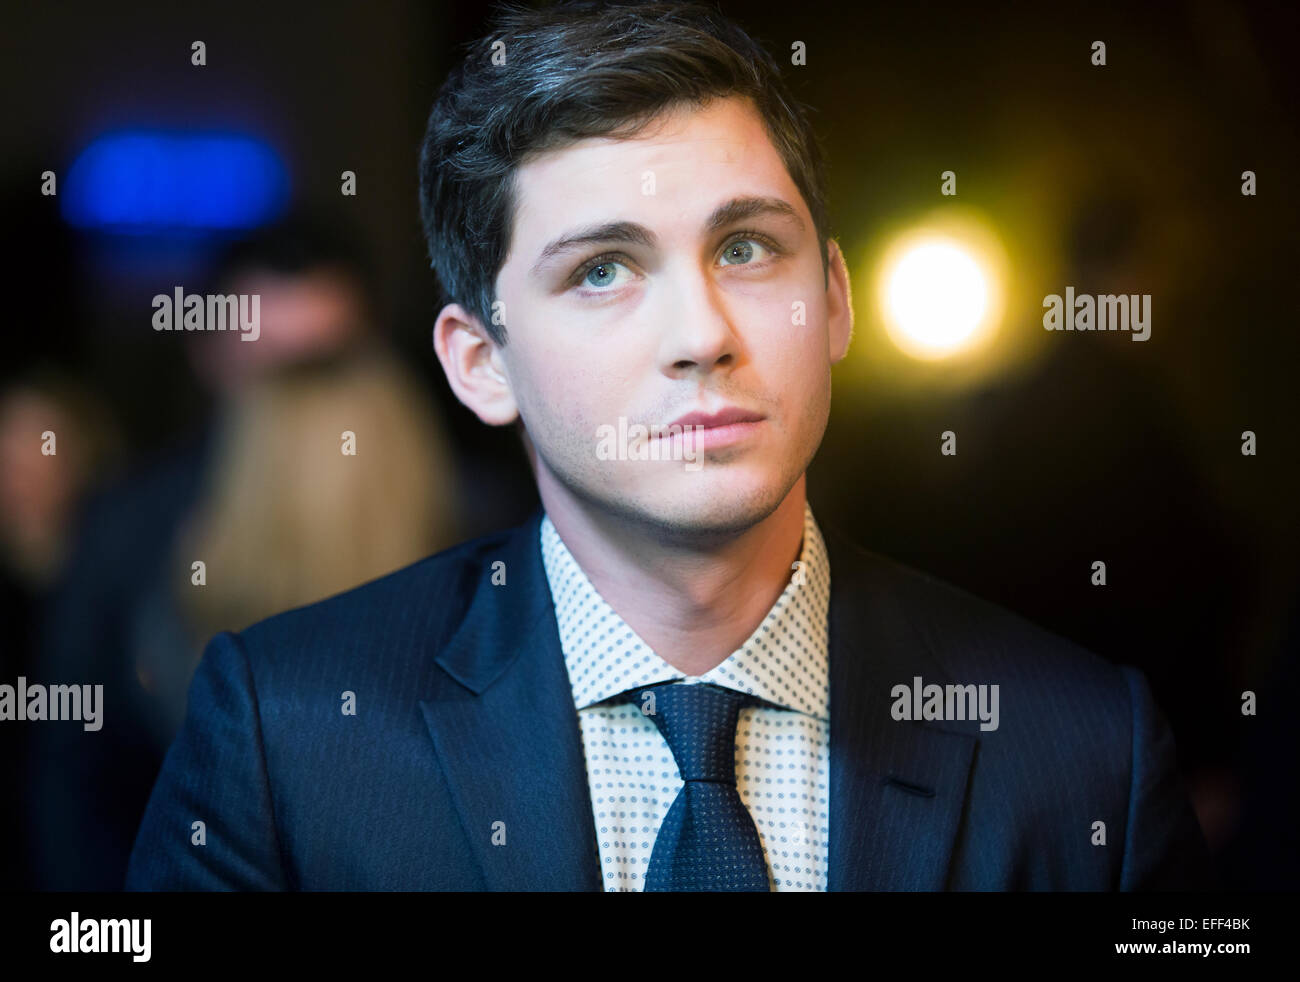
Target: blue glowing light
pixel 152 182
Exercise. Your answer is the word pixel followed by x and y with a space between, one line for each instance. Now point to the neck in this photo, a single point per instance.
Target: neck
pixel 693 598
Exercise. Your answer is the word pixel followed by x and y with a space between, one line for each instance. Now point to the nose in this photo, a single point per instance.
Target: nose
pixel 699 333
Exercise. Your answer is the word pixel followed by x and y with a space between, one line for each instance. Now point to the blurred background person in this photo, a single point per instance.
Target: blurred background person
pixel 55 437
pixel 42 476
pixel 264 496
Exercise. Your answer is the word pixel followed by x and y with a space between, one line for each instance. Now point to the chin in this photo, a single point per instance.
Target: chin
pixel 724 506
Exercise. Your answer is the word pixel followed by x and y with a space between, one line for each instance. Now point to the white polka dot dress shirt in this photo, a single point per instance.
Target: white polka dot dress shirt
pixel 782 755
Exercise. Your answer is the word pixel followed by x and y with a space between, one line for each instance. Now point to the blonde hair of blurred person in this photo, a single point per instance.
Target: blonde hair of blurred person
pixel 287 518
pixel 284 517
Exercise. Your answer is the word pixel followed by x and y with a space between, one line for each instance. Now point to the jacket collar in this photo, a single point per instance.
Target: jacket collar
pixel 504 727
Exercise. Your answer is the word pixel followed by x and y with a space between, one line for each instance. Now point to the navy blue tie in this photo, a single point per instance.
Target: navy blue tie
pixel 708 840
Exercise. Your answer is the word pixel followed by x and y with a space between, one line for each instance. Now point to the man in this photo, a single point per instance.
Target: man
pixel 668 678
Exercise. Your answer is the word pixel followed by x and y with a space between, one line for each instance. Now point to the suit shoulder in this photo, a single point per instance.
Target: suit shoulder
pixel 971 636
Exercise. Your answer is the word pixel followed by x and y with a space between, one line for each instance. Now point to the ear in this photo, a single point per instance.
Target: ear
pixel 474 366
pixel 839 303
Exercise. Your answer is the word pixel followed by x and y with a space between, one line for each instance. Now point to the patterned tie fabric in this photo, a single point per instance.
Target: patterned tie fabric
pixel 708 840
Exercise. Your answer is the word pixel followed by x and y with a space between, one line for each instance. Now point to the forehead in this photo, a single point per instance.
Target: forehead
pixel 682 163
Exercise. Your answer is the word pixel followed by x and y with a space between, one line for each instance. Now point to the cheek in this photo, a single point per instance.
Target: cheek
pixel 562 405
pixel 592 382
pixel 794 357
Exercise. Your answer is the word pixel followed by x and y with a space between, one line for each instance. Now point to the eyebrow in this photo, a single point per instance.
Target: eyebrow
pixel 727 213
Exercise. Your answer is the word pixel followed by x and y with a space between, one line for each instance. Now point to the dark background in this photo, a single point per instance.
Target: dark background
pixel 1072 448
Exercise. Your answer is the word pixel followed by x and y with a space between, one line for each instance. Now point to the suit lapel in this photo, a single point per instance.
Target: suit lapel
pixel 505 730
pixel 897 788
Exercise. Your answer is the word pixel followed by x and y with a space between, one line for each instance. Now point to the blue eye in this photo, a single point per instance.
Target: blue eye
pixel 601 274
pixel 741 249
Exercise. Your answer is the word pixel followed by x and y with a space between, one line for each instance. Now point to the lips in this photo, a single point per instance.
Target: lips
pixel 723 417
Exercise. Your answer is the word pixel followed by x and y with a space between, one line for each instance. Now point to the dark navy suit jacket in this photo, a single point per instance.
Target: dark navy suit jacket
pixel 465 719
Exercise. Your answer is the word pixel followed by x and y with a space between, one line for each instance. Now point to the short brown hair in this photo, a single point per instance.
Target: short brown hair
pixel 573 71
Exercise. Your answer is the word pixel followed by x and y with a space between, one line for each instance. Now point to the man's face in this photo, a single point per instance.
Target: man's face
pixel 700 317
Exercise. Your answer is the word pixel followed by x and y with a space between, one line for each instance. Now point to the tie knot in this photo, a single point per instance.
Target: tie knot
pixel 698 721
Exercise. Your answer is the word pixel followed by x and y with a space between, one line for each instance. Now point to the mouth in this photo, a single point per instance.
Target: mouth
pixel 727 416
pixel 699 431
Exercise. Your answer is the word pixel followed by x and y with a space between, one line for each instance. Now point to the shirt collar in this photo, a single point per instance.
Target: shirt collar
pixel 784 661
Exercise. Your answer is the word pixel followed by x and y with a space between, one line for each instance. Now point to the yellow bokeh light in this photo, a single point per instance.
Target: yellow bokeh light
pixel 939 293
